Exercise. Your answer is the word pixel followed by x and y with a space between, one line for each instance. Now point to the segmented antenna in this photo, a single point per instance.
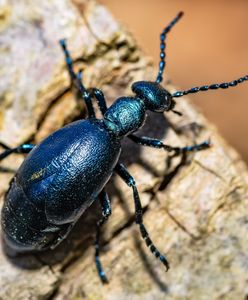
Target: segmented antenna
pixel 162 46
pixel 224 85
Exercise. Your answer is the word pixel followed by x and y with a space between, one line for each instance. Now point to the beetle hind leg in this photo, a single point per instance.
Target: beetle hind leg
pixel 106 212
pixel 129 180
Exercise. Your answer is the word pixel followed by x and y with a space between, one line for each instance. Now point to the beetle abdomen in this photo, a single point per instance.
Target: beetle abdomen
pixel 23 223
pixel 57 181
pixel 79 182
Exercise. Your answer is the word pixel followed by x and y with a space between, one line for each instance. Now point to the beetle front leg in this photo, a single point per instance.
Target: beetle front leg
pixel 146 141
pixel 106 212
pixel 101 102
pixel 129 180
pixel 85 94
pixel 24 148
pixel 76 80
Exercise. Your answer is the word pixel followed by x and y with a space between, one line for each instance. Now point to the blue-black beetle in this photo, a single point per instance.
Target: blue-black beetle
pixel 47 196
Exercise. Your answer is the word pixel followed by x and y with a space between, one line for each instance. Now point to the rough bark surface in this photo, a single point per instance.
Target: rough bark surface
pixel 195 206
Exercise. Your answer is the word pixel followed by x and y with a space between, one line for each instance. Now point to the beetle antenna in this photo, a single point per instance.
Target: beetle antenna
pixel 162 46
pixel 215 86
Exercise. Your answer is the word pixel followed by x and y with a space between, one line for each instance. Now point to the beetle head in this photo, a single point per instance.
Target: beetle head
pixel 155 97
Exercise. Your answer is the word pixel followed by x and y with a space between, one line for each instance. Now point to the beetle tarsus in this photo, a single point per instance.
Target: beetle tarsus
pixel 106 212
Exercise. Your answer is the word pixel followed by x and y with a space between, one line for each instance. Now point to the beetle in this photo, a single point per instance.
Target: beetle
pixel 64 174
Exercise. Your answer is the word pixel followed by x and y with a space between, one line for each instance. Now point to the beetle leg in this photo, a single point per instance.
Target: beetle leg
pixel 106 212
pixel 85 95
pixel 24 148
pixel 101 102
pixel 129 180
pixel 146 141
pixel 76 81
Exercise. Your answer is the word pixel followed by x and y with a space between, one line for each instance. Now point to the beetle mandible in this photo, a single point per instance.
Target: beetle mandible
pixel 47 197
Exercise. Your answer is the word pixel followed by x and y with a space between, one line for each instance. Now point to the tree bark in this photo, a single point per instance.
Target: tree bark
pixel 195 206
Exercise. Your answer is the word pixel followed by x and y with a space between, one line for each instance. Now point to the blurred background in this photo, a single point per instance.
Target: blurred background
pixel 208 45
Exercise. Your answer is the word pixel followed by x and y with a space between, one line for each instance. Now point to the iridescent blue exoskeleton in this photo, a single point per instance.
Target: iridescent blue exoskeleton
pixel 66 172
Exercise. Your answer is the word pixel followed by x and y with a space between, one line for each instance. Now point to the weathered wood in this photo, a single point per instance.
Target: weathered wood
pixel 196 207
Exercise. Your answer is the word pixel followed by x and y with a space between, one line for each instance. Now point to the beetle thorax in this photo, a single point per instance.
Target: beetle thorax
pixel 125 116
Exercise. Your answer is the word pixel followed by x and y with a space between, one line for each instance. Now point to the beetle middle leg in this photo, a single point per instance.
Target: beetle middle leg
pixel 24 148
pixel 129 180
pixel 146 141
pixel 106 212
